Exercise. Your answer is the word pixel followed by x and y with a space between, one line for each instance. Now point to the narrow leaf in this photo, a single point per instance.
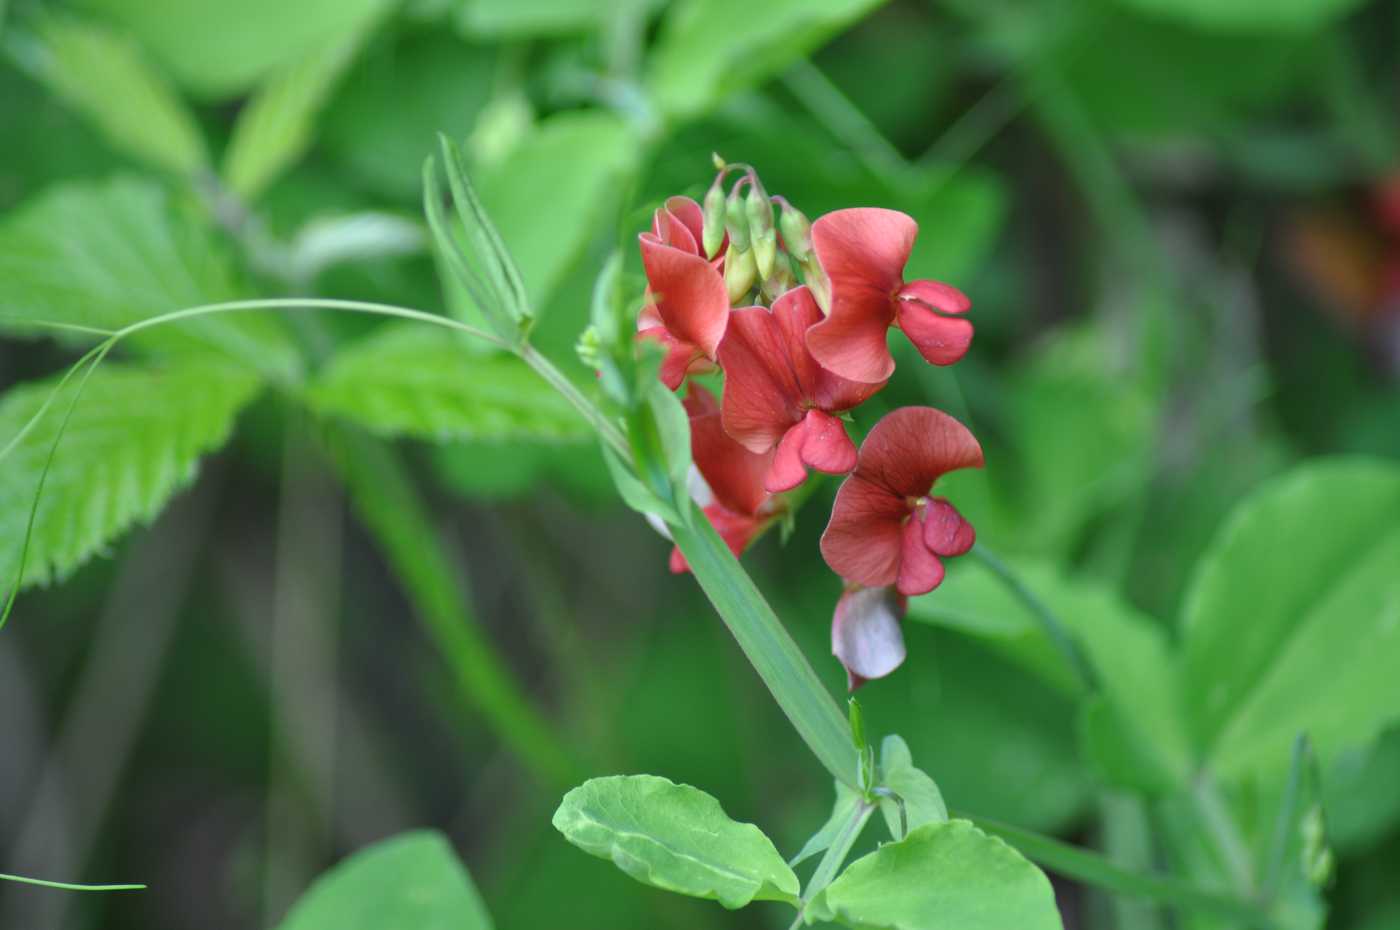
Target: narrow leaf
pixel 847 800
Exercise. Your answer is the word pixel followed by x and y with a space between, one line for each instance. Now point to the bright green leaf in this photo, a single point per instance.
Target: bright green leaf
pixel 1292 623
pixel 506 19
pixel 943 876
pixel 416 380
pixel 134 439
pixel 1253 16
pixel 847 800
pixel 923 802
pixel 413 881
pixel 674 837
pixel 710 48
pixel 108 254
pixel 107 79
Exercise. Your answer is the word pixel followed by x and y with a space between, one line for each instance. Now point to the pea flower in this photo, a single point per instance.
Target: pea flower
pixel 777 396
pixel 885 529
pixel 730 487
pixel 862 252
pixel 687 305
pixel 865 633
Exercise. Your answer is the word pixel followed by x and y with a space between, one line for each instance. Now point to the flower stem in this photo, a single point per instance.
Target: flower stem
pixel 835 856
pixel 67 886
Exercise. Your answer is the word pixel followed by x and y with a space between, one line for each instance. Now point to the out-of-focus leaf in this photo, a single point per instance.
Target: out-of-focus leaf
pixel 943 876
pixel 218 49
pixel 415 380
pixel 1292 624
pixel 1250 16
pixel 514 19
pixel 413 881
pixel 711 48
pixel 1359 793
pixel 333 240
pixel 133 441
pixel 676 838
pixel 922 801
pixel 108 80
pixel 108 254
pixel 275 127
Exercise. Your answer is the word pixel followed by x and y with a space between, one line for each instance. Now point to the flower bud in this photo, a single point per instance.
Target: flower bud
pixel 780 281
pixel 740 271
pixel 817 282
pixel 712 233
pixel 797 232
pixel 737 220
pixel 765 253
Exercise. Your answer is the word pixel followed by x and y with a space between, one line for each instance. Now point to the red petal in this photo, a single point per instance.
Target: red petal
pixel 911 447
pixel 940 340
pixel 762 397
pixel 679 223
pixel 736 529
pixel 797 312
pixel 919 569
pixel 690 295
pixel 734 474
pixel 865 634
pixel 941 297
pixel 825 445
pixel 863 252
pixel 862 541
pixel 946 533
pixel 787 470
pixel 678 564
pixel 681 359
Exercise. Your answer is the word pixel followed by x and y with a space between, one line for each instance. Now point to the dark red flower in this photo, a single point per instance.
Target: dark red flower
pixel 865 633
pixel 862 252
pixel 687 302
pixel 732 495
pixel 777 396
pixel 885 529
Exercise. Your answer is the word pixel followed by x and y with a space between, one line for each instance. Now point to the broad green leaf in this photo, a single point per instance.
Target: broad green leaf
pixel 219 49
pixel 106 77
pixel 110 253
pixel 134 439
pixel 923 802
pixel 674 837
pixel 1359 793
pixel 413 881
pixel 711 48
pixel 1292 623
pixel 943 876
pixel 275 127
pixel 847 800
pixel 1250 16
pixel 418 380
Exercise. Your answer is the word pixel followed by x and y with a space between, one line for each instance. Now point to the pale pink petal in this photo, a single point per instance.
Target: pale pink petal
pixel 865 634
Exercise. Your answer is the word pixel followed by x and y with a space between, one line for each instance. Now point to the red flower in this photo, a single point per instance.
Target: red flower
pixel 865 633
pixel 863 252
pixel 688 304
pixel 885 529
pixel 776 395
pixel 733 497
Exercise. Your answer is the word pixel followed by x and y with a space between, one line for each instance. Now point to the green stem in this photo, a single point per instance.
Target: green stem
pixel 1054 627
pixel 1093 869
pixel 606 428
pixel 835 856
pixel 769 647
pixel 1223 831
pixel 389 506
pixel 67 886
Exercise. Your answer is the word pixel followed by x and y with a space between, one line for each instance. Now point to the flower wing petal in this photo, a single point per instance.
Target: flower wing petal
pixel 912 446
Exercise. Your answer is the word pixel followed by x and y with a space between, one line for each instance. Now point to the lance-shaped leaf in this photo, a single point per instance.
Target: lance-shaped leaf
pixel 675 837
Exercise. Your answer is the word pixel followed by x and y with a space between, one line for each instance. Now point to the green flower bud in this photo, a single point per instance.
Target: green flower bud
pixel 817 282
pixel 780 281
pixel 714 210
pixel 765 252
pixel 797 232
pixel 740 271
pixel 737 220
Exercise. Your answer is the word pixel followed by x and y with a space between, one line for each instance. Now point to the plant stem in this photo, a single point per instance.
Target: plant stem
pixel 607 429
pixel 389 506
pixel 769 647
pixel 1054 627
pixel 1093 869
pixel 67 886
pixel 835 856
pixel 1223 831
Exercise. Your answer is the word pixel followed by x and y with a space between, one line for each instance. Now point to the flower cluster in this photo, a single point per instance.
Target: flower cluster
pixel 796 315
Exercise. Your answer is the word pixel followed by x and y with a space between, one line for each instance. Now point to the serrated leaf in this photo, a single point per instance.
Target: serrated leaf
pixel 1292 622
pixel 943 876
pixel 107 78
pixel 134 440
pixel 841 812
pixel 110 253
pixel 923 802
pixel 675 837
pixel 711 48
pixel 412 379
pixel 413 881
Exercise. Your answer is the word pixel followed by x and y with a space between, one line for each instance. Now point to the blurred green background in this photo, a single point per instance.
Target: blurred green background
pixel 1179 223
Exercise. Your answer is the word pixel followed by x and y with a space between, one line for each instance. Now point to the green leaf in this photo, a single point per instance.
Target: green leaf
pixel 1261 16
pixel 847 800
pixel 413 881
pixel 110 253
pixel 710 48
pixel 515 19
pixel 943 876
pixel 219 49
pixel 134 439
pixel 108 80
pixel 1292 623
pixel 421 381
pixel 923 802
pixel 275 127
pixel 676 838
